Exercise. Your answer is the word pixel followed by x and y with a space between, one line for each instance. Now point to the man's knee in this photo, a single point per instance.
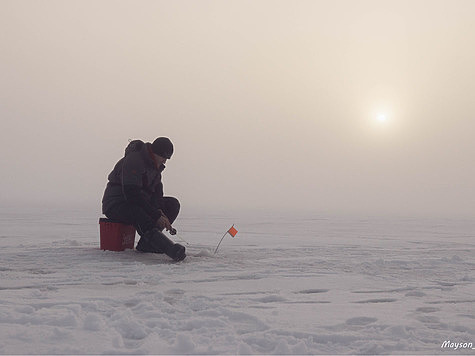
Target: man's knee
pixel 172 208
pixel 172 203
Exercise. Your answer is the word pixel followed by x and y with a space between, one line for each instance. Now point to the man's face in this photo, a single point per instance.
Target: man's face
pixel 160 160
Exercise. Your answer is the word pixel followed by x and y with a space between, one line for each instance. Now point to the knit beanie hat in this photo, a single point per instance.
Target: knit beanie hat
pixel 162 146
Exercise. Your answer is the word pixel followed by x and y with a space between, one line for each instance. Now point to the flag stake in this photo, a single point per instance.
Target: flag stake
pixel 227 232
pixel 220 242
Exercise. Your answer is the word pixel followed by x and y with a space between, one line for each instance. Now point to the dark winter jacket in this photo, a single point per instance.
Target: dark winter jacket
pixel 136 179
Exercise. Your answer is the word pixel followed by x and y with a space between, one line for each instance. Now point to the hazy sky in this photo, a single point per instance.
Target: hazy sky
pixel 352 106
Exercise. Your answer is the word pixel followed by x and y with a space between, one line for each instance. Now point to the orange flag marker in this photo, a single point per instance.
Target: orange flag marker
pixel 232 231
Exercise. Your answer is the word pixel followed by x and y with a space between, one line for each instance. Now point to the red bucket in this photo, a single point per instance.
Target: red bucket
pixel 116 236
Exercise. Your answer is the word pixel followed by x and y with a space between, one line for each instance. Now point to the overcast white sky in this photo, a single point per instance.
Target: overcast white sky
pixel 270 104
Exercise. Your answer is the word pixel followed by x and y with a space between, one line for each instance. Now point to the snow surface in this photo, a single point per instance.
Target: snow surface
pixel 319 285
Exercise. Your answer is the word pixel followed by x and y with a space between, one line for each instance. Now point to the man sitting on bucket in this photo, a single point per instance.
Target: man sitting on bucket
pixel 134 195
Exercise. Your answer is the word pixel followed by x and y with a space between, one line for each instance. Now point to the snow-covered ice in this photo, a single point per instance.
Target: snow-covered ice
pixel 308 285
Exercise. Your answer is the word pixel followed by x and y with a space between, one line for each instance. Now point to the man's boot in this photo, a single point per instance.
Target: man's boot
pixel 159 242
pixel 144 246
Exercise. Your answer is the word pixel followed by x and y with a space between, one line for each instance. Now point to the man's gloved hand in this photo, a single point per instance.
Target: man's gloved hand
pixel 163 222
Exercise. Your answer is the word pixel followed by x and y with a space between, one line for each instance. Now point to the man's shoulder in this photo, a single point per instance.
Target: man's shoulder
pixel 136 159
pixel 140 158
pixel 134 146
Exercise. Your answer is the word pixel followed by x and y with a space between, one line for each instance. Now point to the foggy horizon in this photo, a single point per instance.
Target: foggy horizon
pixel 309 106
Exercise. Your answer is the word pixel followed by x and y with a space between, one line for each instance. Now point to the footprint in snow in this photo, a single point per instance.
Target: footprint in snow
pixel 175 291
pixel 271 299
pixel 361 321
pixel 427 310
pixel 173 295
pixel 415 294
pixel 313 291
pixel 378 300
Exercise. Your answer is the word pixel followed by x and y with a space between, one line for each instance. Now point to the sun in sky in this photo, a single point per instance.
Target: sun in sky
pixel 381 121
pixel 382 118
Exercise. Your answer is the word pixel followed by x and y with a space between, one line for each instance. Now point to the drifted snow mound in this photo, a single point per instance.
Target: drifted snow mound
pixel 312 287
pixel 205 253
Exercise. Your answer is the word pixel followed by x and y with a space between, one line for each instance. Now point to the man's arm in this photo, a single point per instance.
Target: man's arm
pixel 132 170
pixel 134 196
pixel 157 197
